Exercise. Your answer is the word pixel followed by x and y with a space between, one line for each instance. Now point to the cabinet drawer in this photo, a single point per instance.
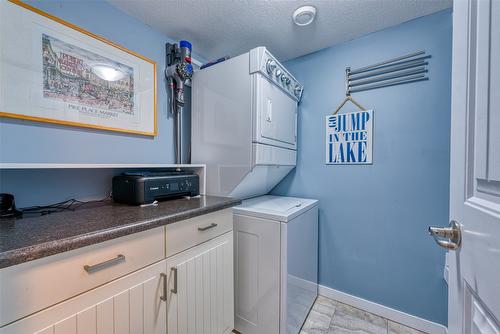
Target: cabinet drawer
pixel 32 286
pixel 191 232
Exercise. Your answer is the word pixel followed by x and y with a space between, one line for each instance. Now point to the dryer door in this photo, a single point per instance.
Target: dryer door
pixel 276 121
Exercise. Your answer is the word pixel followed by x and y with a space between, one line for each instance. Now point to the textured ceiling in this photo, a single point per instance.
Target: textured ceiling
pixel 231 27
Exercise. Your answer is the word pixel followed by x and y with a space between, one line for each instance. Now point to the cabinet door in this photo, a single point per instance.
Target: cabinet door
pixel 129 305
pixel 200 288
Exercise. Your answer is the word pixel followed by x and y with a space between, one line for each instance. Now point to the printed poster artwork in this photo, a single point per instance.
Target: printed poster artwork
pixel 349 138
pixel 69 76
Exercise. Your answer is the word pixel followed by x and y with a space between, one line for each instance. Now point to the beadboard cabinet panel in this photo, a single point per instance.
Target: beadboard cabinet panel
pixel 200 289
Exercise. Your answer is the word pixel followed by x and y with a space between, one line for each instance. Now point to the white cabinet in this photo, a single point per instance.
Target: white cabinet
pixel 131 304
pixel 200 288
pixel 62 294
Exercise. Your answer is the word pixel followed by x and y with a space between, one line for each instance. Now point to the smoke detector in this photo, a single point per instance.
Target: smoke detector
pixel 304 15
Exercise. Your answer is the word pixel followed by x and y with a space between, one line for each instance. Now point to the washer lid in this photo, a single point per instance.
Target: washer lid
pixel 275 207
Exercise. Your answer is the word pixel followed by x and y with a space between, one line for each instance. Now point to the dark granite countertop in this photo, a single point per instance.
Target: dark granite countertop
pixel 28 239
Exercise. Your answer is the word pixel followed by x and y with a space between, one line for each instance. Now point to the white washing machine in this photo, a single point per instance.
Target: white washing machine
pixel 276 263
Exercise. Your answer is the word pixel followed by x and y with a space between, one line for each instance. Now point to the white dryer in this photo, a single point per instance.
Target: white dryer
pixel 244 124
pixel 276 263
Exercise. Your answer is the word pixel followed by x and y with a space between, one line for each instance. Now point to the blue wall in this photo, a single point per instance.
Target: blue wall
pixel 373 219
pixel 34 142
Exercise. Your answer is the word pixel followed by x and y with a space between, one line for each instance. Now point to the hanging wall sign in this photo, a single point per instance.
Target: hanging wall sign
pixel 349 138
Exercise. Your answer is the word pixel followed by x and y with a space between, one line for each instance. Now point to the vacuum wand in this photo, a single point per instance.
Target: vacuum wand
pixel 179 69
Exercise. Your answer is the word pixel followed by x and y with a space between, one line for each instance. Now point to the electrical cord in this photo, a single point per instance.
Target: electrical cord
pixel 68 205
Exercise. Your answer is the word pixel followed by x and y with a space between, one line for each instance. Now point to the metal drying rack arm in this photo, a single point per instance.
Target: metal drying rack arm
pixel 387 62
pixel 400 70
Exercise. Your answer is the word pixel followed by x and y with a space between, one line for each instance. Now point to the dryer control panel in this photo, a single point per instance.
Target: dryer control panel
pixel 261 60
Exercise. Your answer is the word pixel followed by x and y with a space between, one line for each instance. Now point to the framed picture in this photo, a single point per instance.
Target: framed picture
pixel 52 71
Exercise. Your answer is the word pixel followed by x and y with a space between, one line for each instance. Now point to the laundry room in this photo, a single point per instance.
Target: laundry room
pixel 251 167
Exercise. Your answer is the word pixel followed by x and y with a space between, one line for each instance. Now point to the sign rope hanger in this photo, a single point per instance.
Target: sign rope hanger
pixel 348 96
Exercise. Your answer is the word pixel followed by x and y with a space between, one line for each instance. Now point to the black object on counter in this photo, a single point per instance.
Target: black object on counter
pixel 138 188
pixel 8 207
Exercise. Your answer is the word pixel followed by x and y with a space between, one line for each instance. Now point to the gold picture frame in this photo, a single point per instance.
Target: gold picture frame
pixel 122 102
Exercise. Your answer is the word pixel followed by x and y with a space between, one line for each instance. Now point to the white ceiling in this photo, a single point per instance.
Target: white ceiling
pixel 231 27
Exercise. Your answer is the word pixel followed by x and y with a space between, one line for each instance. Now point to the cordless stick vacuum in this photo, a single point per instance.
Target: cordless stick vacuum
pixel 179 69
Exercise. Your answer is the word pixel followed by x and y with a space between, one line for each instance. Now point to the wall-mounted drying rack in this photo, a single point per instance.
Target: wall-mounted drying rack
pixel 405 69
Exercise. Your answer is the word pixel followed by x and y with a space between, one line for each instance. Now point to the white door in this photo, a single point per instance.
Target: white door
pixel 474 277
pixel 276 115
pixel 130 305
pixel 200 288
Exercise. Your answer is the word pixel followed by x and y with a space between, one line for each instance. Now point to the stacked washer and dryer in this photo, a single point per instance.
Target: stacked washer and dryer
pixel 244 128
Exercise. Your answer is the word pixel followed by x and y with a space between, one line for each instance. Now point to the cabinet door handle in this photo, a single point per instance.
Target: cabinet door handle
pixel 99 266
pixel 207 227
pixel 174 289
pixel 163 297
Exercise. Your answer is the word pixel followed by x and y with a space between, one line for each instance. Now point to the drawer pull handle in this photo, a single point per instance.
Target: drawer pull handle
pixel 207 227
pixel 99 266
pixel 163 296
pixel 174 289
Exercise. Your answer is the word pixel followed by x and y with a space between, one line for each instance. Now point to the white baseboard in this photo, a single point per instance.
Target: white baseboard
pixel 384 311
pixel 303 284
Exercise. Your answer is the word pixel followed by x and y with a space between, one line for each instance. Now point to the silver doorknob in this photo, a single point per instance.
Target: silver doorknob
pixel 452 233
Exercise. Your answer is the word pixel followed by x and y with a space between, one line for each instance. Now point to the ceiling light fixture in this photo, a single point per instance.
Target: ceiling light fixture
pixel 107 72
pixel 304 15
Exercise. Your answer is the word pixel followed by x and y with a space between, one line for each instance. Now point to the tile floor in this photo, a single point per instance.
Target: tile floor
pixel 331 317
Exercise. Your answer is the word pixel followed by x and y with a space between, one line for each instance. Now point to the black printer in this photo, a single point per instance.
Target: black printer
pixel 138 188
